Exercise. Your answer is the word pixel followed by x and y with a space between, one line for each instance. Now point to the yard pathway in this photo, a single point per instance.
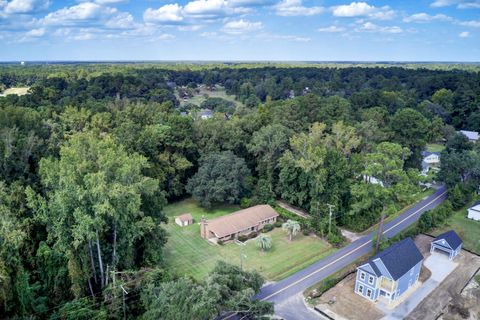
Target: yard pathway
pixel 299 212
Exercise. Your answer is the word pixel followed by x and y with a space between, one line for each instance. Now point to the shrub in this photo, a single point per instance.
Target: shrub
pixel 335 239
pixel 278 223
pixel 306 231
pixel 220 242
pixel 242 238
pixel 252 235
pixel 268 227
pixel 246 203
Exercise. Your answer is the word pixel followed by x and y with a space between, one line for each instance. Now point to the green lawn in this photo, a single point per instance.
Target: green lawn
pixel 188 254
pixel 435 147
pixel 219 92
pixel 467 229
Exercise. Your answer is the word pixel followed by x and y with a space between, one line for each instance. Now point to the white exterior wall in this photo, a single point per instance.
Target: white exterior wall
pixel 473 214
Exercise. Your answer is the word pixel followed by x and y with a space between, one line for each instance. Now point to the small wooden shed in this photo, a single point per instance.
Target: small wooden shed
pixel 184 220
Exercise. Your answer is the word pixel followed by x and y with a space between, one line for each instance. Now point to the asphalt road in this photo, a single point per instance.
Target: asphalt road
pixel 281 291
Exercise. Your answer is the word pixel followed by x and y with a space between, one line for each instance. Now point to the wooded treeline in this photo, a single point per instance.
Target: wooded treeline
pixel 90 157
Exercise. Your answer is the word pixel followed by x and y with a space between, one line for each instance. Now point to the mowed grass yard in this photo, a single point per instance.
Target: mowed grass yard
pixel 467 229
pixel 20 91
pixel 435 147
pixel 188 254
pixel 219 92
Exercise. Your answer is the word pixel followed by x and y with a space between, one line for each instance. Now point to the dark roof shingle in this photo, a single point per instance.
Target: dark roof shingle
pixel 451 237
pixel 399 258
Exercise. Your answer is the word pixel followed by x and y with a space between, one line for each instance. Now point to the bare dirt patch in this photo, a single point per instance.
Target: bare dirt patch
pixel 341 302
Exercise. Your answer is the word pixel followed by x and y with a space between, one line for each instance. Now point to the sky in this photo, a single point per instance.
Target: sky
pixel 260 30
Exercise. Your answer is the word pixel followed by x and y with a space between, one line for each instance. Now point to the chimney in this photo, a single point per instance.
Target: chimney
pixel 203 227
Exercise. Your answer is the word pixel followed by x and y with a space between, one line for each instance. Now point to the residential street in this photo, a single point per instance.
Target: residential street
pixel 281 291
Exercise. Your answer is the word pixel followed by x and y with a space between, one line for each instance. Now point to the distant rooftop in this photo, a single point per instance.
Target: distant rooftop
pixel 471 135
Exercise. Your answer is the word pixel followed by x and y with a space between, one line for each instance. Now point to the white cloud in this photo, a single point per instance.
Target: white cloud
pixel 241 26
pixel 424 17
pixel 461 4
pixel 122 20
pixel 464 34
pixel 249 3
pixel 443 3
pixel 36 32
pixel 82 12
pixel 270 37
pixel 363 9
pixel 469 5
pixel 331 29
pixel 296 8
pixel 471 23
pixel 24 6
pixel 371 27
pixel 166 13
pixel 353 9
pixel 206 8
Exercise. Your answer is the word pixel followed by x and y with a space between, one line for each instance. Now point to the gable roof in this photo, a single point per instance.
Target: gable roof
pixel 471 135
pixel 185 217
pixel 428 153
pixel 475 207
pixel 451 237
pixel 241 220
pixel 399 258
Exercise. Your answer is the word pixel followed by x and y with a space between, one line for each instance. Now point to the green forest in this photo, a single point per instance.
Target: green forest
pixel 93 153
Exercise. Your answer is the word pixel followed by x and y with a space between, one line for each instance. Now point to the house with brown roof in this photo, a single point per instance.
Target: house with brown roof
pixel 242 222
pixel 184 220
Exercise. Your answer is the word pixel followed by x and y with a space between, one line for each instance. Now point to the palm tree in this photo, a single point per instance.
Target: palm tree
pixel 264 242
pixel 292 227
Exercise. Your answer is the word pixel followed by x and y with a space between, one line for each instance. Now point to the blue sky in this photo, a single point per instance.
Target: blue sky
pixel 313 30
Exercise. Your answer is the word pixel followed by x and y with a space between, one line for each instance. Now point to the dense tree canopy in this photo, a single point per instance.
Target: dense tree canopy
pixel 91 155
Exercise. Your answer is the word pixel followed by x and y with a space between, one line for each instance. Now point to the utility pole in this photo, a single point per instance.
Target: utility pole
pixel 124 292
pixel 330 206
pixel 241 244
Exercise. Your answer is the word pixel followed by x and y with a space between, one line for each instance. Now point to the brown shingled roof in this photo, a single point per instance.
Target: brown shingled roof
pixel 185 217
pixel 241 220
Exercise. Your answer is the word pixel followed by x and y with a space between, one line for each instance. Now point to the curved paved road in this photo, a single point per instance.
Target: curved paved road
pixel 298 282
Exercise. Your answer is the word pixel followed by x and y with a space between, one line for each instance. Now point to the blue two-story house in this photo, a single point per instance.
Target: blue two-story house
pixel 390 273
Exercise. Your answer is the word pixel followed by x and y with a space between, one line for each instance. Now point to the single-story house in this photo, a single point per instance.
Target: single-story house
pixel 184 220
pixel 205 114
pixel 449 243
pixel 474 211
pixel 390 273
pixel 431 160
pixel 471 135
pixel 241 222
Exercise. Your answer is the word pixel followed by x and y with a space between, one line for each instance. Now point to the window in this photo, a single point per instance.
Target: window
pixel 362 275
pixel 360 288
pixel 370 279
pixel 369 293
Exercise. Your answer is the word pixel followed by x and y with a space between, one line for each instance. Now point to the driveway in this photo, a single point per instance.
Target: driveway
pixel 295 308
pixel 440 267
pixel 282 290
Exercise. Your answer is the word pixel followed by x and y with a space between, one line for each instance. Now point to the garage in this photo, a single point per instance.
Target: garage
pixel 448 243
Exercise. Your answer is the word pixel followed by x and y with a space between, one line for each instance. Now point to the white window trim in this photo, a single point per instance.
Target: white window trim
pixel 371 278
pixel 360 289
pixel 362 275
